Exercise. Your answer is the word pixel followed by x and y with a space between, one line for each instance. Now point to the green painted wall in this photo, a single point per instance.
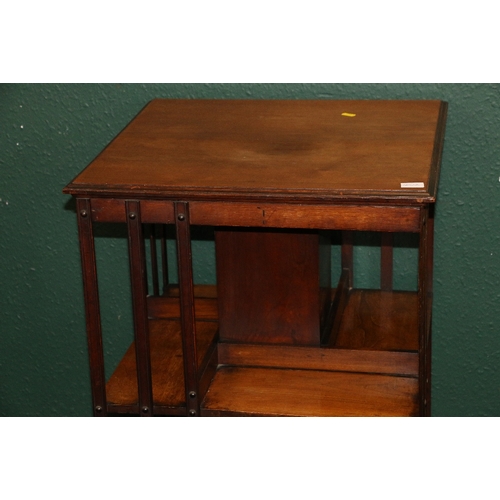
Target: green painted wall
pixel 49 133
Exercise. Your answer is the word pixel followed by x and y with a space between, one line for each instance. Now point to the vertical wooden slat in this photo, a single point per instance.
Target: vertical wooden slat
pixel 348 256
pixel 423 325
pixel 337 310
pixel 92 308
pixel 386 261
pixel 429 289
pixel 164 261
pixel 154 259
pixel 186 292
pixel 430 249
pixel 139 292
pixel 427 384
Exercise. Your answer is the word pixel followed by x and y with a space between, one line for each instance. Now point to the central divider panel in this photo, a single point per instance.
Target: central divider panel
pixel 273 286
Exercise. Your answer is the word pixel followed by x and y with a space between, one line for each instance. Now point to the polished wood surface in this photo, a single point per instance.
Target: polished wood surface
pixel 280 215
pixel 247 148
pixel 277 392
pixel 326 359
pixel 273 286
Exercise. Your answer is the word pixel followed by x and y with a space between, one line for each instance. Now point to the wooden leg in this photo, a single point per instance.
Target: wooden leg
pixel 424 284
pixel 92 309
pixel 139 293
pixel 186 292
pixel 428 360
pixel 429 289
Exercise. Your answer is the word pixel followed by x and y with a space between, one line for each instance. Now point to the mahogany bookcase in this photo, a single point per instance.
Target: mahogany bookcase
pixel 275 179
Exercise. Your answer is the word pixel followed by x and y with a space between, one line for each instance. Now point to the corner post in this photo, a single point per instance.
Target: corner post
pixel 138 276
pixel 92 307
pixel 186 292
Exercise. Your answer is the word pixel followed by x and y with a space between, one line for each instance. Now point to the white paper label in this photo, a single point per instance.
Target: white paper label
pixel 412 185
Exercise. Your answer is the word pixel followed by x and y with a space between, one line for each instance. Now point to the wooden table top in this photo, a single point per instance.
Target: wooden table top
pixel 285 150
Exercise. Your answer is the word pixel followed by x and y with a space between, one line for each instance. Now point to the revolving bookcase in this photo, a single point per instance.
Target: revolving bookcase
pixel 275 180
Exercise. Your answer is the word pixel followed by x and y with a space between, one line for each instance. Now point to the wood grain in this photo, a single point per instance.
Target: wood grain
pixel 327 359
pixel 269 286
pixel 280 215
pixel 375 319
pixel 257 148
pixel 272 392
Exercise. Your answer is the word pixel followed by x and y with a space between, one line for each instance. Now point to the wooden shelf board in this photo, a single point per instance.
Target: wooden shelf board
pixel 276 392
pixel 166 365
pixel 306 382
pixel 200 291
pixel 319 358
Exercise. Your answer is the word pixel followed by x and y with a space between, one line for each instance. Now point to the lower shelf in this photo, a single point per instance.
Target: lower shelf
pixel 166 367
pixel 370 368
pixel 275 392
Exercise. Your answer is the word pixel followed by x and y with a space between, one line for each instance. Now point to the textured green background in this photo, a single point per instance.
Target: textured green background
pixel 49 133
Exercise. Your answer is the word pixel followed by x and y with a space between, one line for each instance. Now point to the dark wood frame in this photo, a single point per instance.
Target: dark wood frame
pixel 191 307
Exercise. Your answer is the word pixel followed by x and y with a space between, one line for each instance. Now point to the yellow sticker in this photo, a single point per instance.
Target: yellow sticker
pixel 350 115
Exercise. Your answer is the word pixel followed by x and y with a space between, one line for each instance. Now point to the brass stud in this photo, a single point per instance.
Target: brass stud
pixel 83 213
pixel 181 217
pixel 145 409
pixel 192 413
pixel 98 409
pixel 192 394
pixel 132 215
